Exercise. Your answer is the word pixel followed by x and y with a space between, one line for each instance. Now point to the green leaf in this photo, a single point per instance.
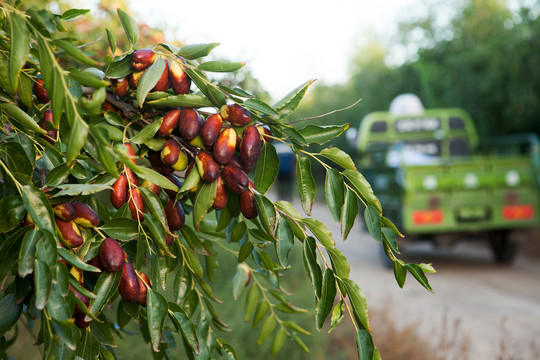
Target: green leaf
pixel 13 211
pixel 290 102
pixel 154 205
pixel 320 231
pixel 358 303
pixel 75 52
pixel 21 118
pixel 312 266
pixel 306 183
pixel 190 182
pixel 157 230
pixel 252 300
pixel 149 79
pixel 121 228
pixel 373 223
pixel 193 262
pixel 58 175
pixel 38 208
pixel 147 132
pixel 279 340
pixel 362 188
pixel 261 312
pixel 87 78
pixel 112 40
pixel 157 309
pixel 184 324
pixel 130 28
pixel 42 283
pixel 80 189
pixel 364 343
pixel 419 275
pixel 25 89
pixel 195 51
pixel 267 327
pixel 267 213
pixel 106 287
pixel 267 168
pixel 74 14
pixel 400 273
pixel 76 261
pixel 182 101
pixel 220 66
pixel 337 315
pixel 58 306
pixel 339 157
pixel 203 202
pixel 317 134
pixel 120 68
pixel 386 222
pixel 390 239
pixel 334 189
pixel 239 280
pixel 328 294
pixel 11 311
pixel 27 253
pixel 212 92
pixel 260 106
pixel 295 327
pixel 340 264
pixel 349 211
pixel 15 159
pixel 77 138
pixel 284 243
pixel 20 47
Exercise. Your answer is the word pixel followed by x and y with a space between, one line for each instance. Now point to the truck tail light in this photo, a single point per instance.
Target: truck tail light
pixel 518 212
pixel 427 217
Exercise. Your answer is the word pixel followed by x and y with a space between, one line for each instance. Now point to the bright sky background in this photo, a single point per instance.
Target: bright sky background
pixel 283 42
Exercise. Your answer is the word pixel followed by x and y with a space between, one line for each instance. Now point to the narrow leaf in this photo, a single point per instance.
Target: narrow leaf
pixel 328 294
pixel 27 253
pixel 312 266
pixel 306 183
pixel 195 51
pixel 20 47
pixel 290 102
pixel 372 219
pixel 149 79
pixel 364 343
pixel 156 309
pixel 239 280
pixel 220 66
pixel 284 243
pixel 267 327
pixel 363 188
pixel 203 202
pixel 42 283
pixel 130 28
pixel 358 303
pixel 339 157
pixel 267 168
pixel 321 232
pixel 349 211
pixel 317 134
pixel 334 189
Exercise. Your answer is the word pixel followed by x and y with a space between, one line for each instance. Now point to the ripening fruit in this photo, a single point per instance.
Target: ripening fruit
pixel 248 206
pixel 197 142
pixel 142 58
pixel 189 124
pixel 176 217
pixel 80 321
pixel 143 282
pixel 41 93
pixel 85 215
pixel 235 114
pixel 111 255
pixel 235 179
pixel 210 129
pixel 84 300
pixel 172 178
pixel 156 189
pixel 155 160
pixel 134 78
pixel 206 165
pixel 222 195
pixel 225 146
pixel 265 132
pixel 96 262
pixel 132 179
pixel 131 153
pixel 180 82
pixel 136 205
pixel 120 87
pixel 170 122
pixel 77 274
pixel 64 211
pixel 170 152
pixel 70 233
pixel 129 284
pixel 250 147
pixel 51 135
pixel 163 82
pixel 119 193
pixel 182 162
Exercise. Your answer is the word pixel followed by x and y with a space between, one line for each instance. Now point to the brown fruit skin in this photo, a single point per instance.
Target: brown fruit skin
pixel 129 284
pixel 133 180
pixel 41 93
pixel 156 189
pixel 111 255
pixel 80 321
pixel 170 152
pixel 170 122
pixel 180 82
pixel 265 132
pixel 69 232
pixel 235 161
pixel 235 114
pixel 142 58
pixel 206 165
pixel 84 299
pixel 172 178
pixel 142 278
pixel 176 217
pixel 155 160
pixel 51 135
pixel 136 205
pixel 85 215
pixel 131 153
pixel 221 194
pixel 250 147
pixel 119 193
pixel 248 206
pixel 169 240
pixel 189 124
pixel 120 87
pixel 235 179
pixel 210 129
pixel 64 211
pixel 96 262
pixel 134 78
pixel 225 146
pixel 163 82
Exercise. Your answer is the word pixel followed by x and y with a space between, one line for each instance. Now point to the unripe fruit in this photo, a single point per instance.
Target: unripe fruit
pixel 129 284
pixel 248 206
pixel 221 195
pixel 80 321
pixel 172 178
pixel 51 135
pixel 156 189
pixel 163 82
pixel 85 215
pixel 64 211
pixel 155 160
pixel 189 124
pixel 111 255
pixel 70 233
pixel 250 147
pixel 170 152
pixel 136 205
pixel 142 58
pixel 134 78
pixel 206 165
pixel 120 87
pixel 119 194
pixel 236 180
pixel 180 82
pixel 176 217
pixel 225 146
pixel 84 300
pixel 182 162
pixel 235 114
pixel 170 122
pixel 210 129
pixel 41 93
pixel 265 132
pixel 197 142
pixel 143 282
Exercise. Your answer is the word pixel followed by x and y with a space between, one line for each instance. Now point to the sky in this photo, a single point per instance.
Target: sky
pixel 283 42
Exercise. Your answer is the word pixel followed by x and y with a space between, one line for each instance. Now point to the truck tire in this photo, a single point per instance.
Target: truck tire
pixel 503 248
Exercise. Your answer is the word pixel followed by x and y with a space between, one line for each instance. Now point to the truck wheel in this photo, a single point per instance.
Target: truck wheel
pixel 504 250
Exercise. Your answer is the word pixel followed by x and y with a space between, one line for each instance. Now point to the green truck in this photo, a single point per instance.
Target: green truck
pixel 437 182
